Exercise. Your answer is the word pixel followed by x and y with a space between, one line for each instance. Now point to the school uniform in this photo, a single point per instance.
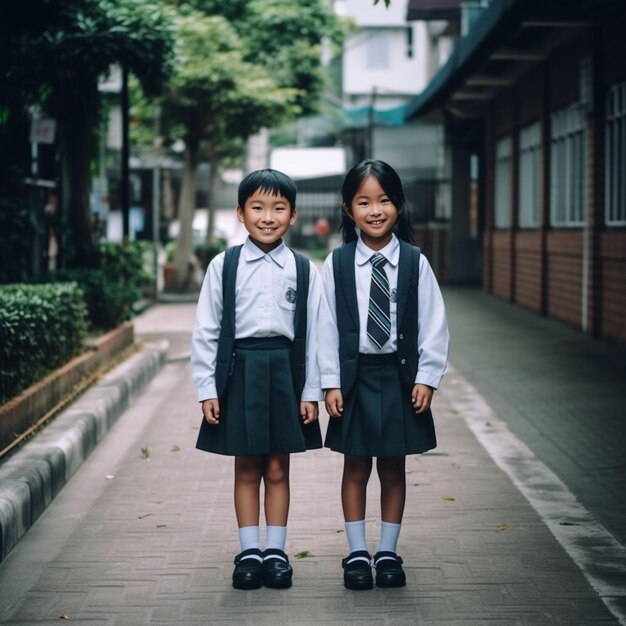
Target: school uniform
pixel 378 417
pixel 255 372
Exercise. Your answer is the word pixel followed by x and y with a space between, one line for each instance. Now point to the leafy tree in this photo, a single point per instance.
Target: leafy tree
pixel 239 66
pixel 58 51
pixel 215 97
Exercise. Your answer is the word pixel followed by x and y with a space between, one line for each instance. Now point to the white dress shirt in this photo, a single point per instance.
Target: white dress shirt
pixel 433 337
pixel 264 307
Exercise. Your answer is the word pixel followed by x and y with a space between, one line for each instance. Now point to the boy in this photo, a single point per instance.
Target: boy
pixel 255 370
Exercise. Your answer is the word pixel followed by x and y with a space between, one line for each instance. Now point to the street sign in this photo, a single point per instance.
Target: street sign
pixel 42 131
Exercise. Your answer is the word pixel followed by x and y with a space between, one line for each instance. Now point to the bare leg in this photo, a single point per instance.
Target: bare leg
pixel 248 473
pixel 276 480
pixel 392 488
pixel 356 473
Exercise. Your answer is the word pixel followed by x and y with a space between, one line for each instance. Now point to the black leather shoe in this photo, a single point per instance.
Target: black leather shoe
pixel 248 571
pixel 277 572
pixel 357 570
pixel 389 572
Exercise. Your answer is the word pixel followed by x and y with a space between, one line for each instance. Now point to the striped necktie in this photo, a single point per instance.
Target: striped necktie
pixel 378 319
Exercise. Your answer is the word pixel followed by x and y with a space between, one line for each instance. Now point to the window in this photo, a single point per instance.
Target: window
pixel 377 50
pixel 567 177
pixel 529 175
pixel 504 151
pixel 615 193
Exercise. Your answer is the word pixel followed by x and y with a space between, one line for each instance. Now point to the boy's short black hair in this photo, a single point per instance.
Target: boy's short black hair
pixel 268 181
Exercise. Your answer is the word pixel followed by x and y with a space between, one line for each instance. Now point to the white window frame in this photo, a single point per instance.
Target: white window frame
pixel 503 182
pixel 615 180
pixel 378 49
pixel 529 192
pixel 568 167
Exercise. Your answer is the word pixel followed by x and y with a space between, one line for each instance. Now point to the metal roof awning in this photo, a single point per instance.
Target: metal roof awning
pixel 434 10
pixel 505 42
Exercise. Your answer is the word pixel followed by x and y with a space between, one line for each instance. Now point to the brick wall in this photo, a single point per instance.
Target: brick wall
pixel 564 276
pixel 501 264
pixel 612 262
pixel 528 270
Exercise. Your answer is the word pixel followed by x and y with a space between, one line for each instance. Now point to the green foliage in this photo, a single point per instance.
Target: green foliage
pixel 20 219
pixel 79 40
pixel 41 328
pixel 214 93
pixel 111 289
pixel 52 54
pixel 108 300
pixel 206 252
pixel 127 262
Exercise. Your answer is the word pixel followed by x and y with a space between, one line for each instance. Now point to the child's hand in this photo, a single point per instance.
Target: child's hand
pixel 309 411
pixel 421 397
pixel 333 399
pixel 211 411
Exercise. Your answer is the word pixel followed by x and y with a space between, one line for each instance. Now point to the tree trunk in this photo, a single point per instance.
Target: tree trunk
pixel 76 110
pixel 213 191
pixel 184 242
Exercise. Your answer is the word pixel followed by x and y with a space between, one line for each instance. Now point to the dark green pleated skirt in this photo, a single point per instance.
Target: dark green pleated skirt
pixel 378 418
pixel 260 413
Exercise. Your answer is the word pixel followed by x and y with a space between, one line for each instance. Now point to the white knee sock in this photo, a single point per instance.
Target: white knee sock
pixel 276 537
pixel 249 538
pixel 356 535
pixel 389 534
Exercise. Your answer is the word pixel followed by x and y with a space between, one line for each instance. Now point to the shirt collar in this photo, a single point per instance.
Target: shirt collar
pixel 391 252
pixel 251 252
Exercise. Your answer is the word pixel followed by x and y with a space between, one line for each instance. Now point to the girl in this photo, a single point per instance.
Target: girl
pixel 255 370
pixel 382 357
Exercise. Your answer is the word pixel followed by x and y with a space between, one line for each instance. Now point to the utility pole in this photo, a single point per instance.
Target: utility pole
pixel 125 175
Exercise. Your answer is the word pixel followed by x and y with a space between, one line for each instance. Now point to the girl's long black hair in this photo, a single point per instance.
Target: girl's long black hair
pixel 389 180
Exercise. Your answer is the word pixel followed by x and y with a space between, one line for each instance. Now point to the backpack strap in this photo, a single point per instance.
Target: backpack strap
pixel 347 313
pixel 303 270
pixel 226 341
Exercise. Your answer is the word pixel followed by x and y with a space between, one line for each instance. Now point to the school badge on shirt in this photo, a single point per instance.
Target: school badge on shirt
pixel 290 295
pixel 393 296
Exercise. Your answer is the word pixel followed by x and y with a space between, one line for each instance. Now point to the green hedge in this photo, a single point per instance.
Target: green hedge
pixel 109 300
pixel 41 328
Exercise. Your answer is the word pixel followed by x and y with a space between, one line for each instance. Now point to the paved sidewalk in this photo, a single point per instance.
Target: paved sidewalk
pixel 136 540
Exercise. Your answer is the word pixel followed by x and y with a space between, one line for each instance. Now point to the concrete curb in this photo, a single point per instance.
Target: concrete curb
pixel 34 475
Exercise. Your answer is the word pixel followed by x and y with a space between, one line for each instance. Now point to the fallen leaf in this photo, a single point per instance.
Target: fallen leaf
pixel 487 423
pixel 175 448
pixel 502 527
pixel 449 498
pixel 303 554
pixel 145 453
pixel 161 525
pixel 64 616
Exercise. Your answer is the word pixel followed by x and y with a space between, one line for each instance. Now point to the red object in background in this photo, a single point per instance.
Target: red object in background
pixel 322 227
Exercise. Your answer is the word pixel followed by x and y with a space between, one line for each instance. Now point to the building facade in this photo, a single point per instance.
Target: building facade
pixel 533 100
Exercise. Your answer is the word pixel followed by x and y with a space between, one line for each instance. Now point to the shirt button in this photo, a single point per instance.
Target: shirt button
pixel 403 361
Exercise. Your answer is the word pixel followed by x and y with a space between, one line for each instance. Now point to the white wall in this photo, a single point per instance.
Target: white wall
pixel 398 73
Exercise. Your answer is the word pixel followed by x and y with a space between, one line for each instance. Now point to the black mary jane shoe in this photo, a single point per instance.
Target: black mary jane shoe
pixel 389 572
pixel 248 572
pixel 277 572
pixel 357 570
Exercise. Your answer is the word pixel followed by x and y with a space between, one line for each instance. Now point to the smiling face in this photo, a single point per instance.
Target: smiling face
pixel 267 218
pixel 373 213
